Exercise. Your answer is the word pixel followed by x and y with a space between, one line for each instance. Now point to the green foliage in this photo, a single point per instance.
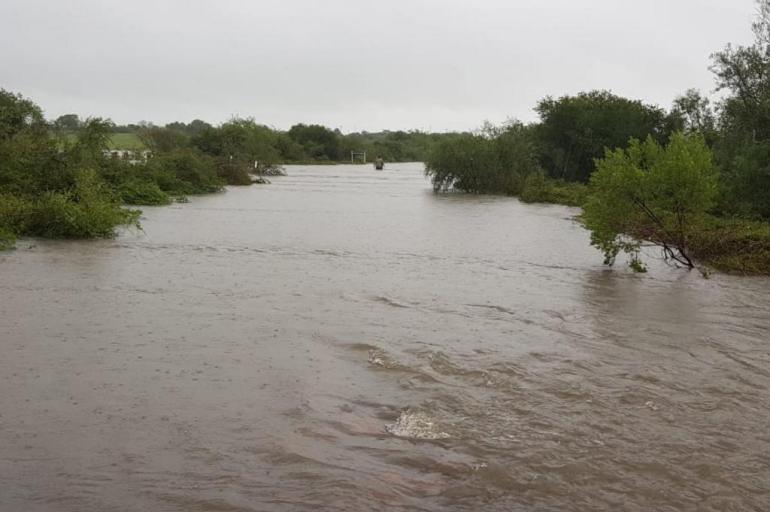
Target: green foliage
pixel 161 140
pixel 744 119
pixel 539 188
pixel 692 113
pixel 239 140
pixel 15 213
pixel 636 264
pixel 184 171
pixel 29 157
pixel 49 189
pixel 466 163
pixel 191 129
pixel 653 194
pixel 575 130
pixel 234 173
pixel 746 182
pixel 142 192
pixel 318 142
pixel 496 161
pixel 129 141
pixel 87 211
pixel 68 123
pixel 290 150
pixel 90 143
pixel 743 71
pixel 18 115
pixel 733 244
pixel 7 239
pixel 242 141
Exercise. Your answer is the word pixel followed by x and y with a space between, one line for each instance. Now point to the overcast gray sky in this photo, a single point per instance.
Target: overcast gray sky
pixel 355 64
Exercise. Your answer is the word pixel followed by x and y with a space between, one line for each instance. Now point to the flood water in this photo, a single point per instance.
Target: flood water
pixel 344 339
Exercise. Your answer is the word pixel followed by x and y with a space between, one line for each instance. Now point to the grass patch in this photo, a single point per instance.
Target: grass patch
pixel 125 141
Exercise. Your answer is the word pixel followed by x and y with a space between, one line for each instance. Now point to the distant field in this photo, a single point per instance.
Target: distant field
pixel 125 141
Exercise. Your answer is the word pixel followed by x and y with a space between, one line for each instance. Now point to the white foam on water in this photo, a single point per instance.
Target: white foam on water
pixel 416 425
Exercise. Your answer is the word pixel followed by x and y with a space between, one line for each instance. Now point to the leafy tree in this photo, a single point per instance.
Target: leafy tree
pixel 692 112
pixel 162 140
pixel 67 123
pixel 27 152
pixel 193 128
pixel 575 130
pixel 248 141
pixel 743 144
pixel 242 140
pixel 184 171
pixel 746 181
pixel 745 72
pixel 289 149
pixel 496 160
pixel 650 193
pixel 18 114
pixel 196 126
pixel 91 141
pixel 318 141
pixel 465 163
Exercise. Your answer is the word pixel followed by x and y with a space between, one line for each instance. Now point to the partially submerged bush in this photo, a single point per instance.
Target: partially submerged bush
pixel 7 239
pixel 142 192
pixel 496 161
pixel 185 171
pixel 539 188
pixel 650 193
pixel 234 173
pixel 87 211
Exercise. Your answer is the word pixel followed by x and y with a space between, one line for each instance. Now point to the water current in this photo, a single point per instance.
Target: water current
pixel 344 339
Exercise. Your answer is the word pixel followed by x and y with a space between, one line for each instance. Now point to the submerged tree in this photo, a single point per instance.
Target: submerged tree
pixel 650 193
pixel 497 160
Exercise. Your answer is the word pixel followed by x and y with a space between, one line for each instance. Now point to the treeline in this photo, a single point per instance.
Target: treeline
pixel 302 143
pixel 693 179
pixel 58 179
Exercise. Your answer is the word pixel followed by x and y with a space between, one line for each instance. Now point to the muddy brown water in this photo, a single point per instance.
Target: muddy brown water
pixel 343 339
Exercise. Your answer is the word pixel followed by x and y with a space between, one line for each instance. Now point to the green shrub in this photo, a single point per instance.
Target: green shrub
pixel 494 162
pixel 15 213
pixel 88 211
pixel 234 174
pixel 538 188
pixel 142 192
pixel 732 245
pixel 7 239
pixel 185 171
pixel 650 193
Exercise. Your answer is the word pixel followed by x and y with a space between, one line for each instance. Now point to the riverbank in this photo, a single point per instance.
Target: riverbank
pixel 732 245
pixel 653 194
